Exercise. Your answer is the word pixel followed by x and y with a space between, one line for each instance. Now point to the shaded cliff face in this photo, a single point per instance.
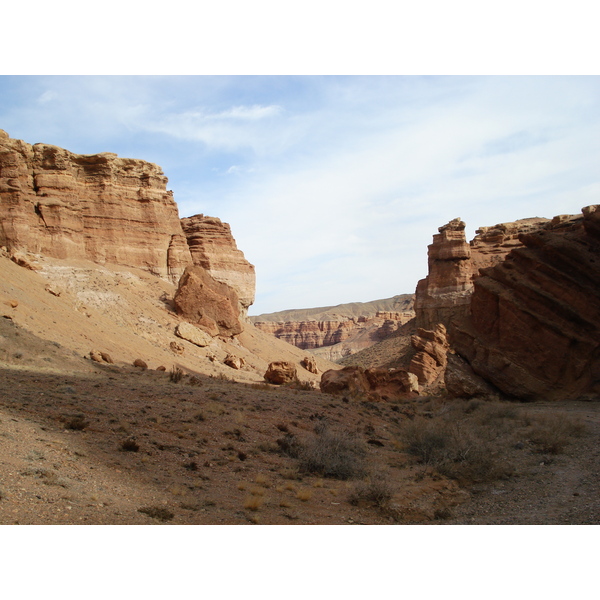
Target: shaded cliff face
pixel 97 207
pixel 213 248
pixel 454 265
pixel 534 325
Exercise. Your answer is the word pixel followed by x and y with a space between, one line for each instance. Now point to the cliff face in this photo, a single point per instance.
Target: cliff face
pixel 454 265
pixel 99 207
pixel 534 327
pixel 115 210
pixel 212 247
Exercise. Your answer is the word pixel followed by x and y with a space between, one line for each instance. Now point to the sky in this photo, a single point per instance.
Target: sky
pixel 334 185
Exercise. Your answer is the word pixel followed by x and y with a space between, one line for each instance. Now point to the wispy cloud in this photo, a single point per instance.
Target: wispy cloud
pixel 334 186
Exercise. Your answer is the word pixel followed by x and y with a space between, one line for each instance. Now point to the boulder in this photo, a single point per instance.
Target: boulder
pixel 235 362
pixel 430 359
pixel 310 364
pixel 210 304
pixel 138 362
pixel 281 372
pixel 192 334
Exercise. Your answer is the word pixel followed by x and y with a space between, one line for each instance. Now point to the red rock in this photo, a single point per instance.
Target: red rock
pixel 534 324
pixel 98 207
pixel 213 248
pixel 430 360
pixel 138 362
pixel 378 384
pixel 208 303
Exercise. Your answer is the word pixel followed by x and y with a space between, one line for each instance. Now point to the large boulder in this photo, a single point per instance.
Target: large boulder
pixel 210 304
pixel 281 372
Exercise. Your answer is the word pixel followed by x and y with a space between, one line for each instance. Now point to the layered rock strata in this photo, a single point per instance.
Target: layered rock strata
pixel 98 207
pixel 212 247
pixel 454 264
pixel 534 324
pixel 310 335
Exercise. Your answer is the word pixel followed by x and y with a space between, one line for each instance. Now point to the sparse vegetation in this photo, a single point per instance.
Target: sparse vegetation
pixel 336 454
pixel 157 512
pixel 552 433
pixel 130 445
pixel 376 490
pixel 77 423
pixel 175 375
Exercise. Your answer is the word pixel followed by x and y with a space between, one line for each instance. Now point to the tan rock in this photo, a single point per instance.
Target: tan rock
pixel 138 362
pixel 177 348
pixel 106 358
pixel 192 334
pixel 235 362
pixel 96 356
pixel 310 364
pixel 281 372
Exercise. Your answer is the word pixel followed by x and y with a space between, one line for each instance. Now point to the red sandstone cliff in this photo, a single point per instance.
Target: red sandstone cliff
pixel 212 247
pixel 455 264
pixel 99 207
pixel 115 210
pixel 534 325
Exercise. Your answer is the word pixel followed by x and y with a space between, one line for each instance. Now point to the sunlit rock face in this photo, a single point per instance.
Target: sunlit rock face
pixel 213 248
pixel 97 207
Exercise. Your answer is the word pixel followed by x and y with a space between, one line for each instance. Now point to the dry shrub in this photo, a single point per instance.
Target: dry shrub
pixel 129 445
pixel 157 512
pixel 376 490
pixel 328 453
pixel 458 450
pixel 253 502
pixel 175 375
pixel 552 433
pixel 77 423
pixel 304 494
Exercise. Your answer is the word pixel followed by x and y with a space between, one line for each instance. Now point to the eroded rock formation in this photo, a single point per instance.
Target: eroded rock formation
pixel 212 247
pixel 534 327
pixel 117 210
pixel 98 207
pixel 377 384
pixel 430 359
pixel 455 264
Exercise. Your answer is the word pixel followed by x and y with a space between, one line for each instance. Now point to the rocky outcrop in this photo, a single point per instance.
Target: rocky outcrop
pixel 117 210
pixel 453 266
pixel 98 207
pixel 310 364
pixel 211 305
pixel 430 359
pixel 534 325
pixel 377 384
pixel 447 289
pixel 213 248
pixel 192 334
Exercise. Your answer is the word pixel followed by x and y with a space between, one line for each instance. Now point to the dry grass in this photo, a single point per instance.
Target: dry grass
pixel 552 433
pixel 375 490
pixel 253 502
pixel 304 494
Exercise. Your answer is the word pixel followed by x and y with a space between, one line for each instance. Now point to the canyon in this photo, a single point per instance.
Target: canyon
pixel 334 332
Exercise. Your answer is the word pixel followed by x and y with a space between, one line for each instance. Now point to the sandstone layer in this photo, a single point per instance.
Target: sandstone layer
pixel 454 264
pixel 534 324
pixel 98 207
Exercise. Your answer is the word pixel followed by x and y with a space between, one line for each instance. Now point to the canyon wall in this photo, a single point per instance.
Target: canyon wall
pixel 454 265
pixel 99 207
pixel 533 329
pixel 115 210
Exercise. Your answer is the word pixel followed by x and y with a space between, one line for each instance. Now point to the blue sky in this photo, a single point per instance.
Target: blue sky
pixel 334 185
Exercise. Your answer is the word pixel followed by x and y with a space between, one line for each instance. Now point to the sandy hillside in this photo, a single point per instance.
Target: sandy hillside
pixel 126 313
